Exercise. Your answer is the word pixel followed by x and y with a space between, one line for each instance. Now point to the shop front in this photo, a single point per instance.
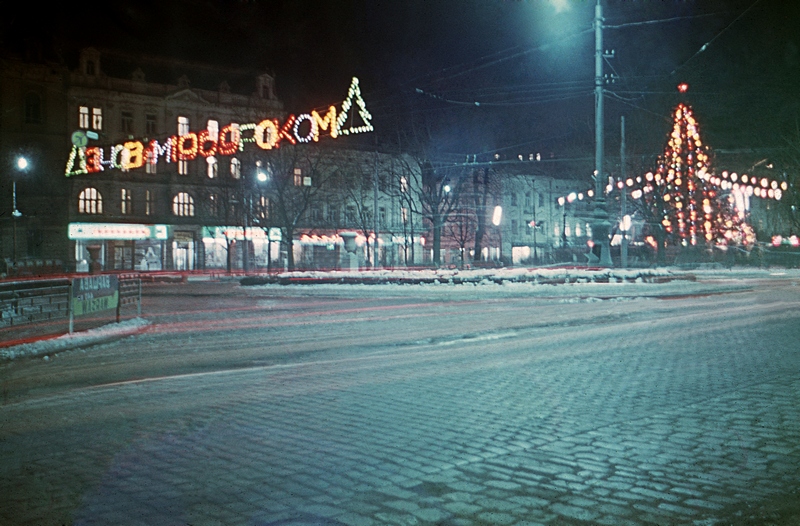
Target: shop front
pixel 121 246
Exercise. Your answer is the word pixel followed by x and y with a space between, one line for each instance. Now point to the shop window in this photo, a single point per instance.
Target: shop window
pixel 183 205
pixel 126 201
pixel 90 201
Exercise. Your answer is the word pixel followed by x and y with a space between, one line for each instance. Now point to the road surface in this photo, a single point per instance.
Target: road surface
pixel 418 405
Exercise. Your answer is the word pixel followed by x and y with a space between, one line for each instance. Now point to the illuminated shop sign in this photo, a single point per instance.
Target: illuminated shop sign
pixel 233 232
pixel 225 141
pixel 117 231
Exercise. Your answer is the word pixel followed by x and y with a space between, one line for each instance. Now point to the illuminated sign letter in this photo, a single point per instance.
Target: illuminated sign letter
pixel 187 152
pixel 227 146
pixel 313 133
pixel 267 134
pixel 94 160
pixel 207 146
pixel 135 156
pixel 324 123
pixel 286 130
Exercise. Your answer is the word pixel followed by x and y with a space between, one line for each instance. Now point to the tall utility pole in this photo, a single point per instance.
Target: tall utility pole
pixel 624 206
pixel 601 225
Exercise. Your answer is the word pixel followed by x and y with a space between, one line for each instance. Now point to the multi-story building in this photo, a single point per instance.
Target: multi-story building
pixel 141 163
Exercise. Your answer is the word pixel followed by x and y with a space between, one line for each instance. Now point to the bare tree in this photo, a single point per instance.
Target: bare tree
pixel 296 176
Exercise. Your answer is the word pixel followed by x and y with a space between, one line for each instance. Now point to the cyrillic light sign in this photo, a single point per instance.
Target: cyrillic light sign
pixel 225 141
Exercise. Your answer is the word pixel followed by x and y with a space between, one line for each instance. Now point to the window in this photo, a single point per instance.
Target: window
pixel 514 227
pixel 298 177
pixel 404 215
pixel 316 214
pixel 183 129
pixel 90 201
pixel 263 207
pixel 350 215
pixel 126 122
pixel 149 203
pixel 183 205
pixel 213 205
pixel 150 124
pixel 151 163
pixel 211 170
pixel 527 200
pixel 541 200
pixel 183 126
pixel 90 67
pixel 403 184
pixel 382 216
pixel 236 168
pixel 126 201
pixel 513 199
pixel 33 108
pixel 83 117
pixel 333 214
pixel 97 118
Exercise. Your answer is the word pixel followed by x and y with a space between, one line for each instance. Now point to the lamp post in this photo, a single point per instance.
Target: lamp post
pixel 601 225
pixel 22 166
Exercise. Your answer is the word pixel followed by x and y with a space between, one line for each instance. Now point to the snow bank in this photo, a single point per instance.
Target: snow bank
pixel 455 276
pixel 69 341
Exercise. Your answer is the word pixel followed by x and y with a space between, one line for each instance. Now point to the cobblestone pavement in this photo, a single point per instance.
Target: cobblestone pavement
pixel 515 410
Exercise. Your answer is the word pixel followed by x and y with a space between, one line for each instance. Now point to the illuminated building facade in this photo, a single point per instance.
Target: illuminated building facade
pixel 153 164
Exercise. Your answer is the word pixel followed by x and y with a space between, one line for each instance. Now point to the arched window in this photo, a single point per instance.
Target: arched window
pixel 90 201
pixel 211 171
pixel 183 205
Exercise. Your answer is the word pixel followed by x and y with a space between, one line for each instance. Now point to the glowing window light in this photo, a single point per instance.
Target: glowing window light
pixel 183 205
pixel 90 201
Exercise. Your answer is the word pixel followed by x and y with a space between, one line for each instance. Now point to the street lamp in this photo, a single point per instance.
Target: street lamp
pixel 22 166
pixel 497 217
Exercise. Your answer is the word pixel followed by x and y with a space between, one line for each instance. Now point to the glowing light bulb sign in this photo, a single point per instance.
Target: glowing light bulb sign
pixel 226 141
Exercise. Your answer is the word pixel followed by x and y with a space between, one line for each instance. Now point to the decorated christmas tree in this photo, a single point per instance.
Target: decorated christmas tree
pixel 693 205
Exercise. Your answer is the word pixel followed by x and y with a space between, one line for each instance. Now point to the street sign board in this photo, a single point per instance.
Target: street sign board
pixel 94 293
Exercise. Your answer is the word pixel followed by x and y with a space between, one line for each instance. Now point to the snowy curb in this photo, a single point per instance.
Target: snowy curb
pixel 456 277
pixel 68 342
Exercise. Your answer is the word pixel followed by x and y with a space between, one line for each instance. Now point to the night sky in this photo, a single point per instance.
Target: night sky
pixel 529 65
